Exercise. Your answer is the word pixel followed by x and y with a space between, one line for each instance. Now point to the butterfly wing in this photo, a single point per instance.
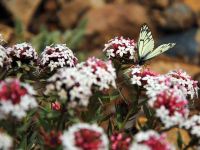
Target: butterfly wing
pixel 145 42
pixel 159 50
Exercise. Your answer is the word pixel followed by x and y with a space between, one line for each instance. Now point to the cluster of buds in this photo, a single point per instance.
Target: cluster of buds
pixel 22 52
pixel 52 138
pixel 71 85
pixel 16 98
pixel 120 141
pixel 84 137
pixel 57 56
pixel 102 74
pixel 150 140
pixel 122 49
pixel 6 141
pixel 170 107
pixel 56 106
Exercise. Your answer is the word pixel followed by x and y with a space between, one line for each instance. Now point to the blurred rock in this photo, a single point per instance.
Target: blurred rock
pixel 160 3
pixel 187 44
pixel 51 5
pixel 193 4
pixel 7 32
pixel 72 11
pixel 22 9
pixel 117 1
pixel 163 64
pixel 175 18
pixel 97 3
pixel 115 20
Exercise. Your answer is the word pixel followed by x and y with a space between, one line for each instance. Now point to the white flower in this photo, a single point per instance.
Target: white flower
pixel 136 80
pixel 110 53
pixel 136 146
pixel 121 51
pixel 5 141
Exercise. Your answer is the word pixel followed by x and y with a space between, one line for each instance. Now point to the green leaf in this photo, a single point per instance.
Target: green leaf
pixel 109 128
pixel 19 30
pixel 147 111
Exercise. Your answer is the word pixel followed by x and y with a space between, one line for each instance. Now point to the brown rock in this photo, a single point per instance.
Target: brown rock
pixel 176 17
pixel 22 9
pixel 193 4
pixel 160 3
pixel 71 12
pixel 115 20
pixel 51 5
pixel 6 32
pixel 97 3
pixel 163 64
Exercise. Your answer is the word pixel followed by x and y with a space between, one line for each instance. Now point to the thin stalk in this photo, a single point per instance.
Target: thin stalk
pixel 61 120
pixel 132 110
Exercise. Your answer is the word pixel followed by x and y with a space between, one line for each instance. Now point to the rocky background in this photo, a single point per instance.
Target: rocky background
pixel 85 25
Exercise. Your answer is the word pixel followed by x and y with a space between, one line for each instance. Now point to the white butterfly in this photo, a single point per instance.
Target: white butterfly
pixel 145 45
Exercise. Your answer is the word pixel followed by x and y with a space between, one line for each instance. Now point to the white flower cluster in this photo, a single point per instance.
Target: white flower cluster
pixel 170 107
pixel 72 85
pixel 22 52
pixel 193 125
pixel 16 98
pixel 167 93
pixel 102 74
pixel 75 84
pixel 122 48
pixel 154 83
pixel 56 56
pixel 4 59
pixel 181 78
pixel 139 75
pixel 6 141
pixel 187 86
pixel 150 140
pixel 93 132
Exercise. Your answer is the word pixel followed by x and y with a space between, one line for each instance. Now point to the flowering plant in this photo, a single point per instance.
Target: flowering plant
pixel 53 101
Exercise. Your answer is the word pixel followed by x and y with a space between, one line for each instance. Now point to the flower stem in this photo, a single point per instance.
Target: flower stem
pixel 133 110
